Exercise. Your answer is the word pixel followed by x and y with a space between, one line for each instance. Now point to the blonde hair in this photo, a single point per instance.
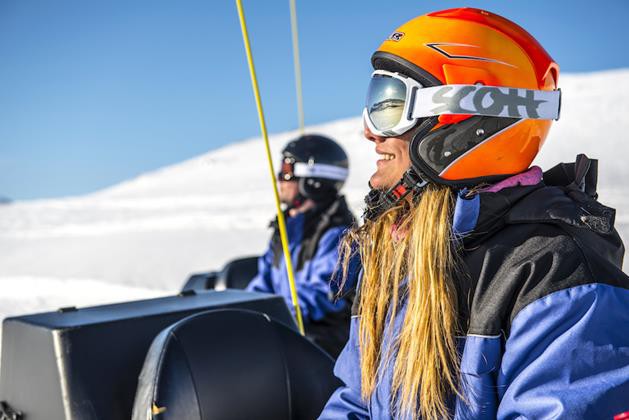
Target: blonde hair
pixel 408 259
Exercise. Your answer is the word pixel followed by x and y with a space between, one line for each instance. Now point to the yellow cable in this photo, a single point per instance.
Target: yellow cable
pixel 280 214
pixel 297 65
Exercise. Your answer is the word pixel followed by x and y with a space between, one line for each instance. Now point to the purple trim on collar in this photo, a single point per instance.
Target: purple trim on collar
pixel 467 209
pixel 531 177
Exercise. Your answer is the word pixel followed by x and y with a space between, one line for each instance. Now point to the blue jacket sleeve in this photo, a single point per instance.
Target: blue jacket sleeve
pixel 567 356
pixel 346 402
pixel 316 296
pixel 262 281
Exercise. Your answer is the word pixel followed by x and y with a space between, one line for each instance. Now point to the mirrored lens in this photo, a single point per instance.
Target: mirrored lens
pixel 386 98
pixel 287 170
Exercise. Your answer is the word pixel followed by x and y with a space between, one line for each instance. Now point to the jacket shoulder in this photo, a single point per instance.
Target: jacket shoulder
pixel 517 266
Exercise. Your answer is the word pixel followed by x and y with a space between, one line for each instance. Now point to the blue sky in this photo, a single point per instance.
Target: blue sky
pixel 93 92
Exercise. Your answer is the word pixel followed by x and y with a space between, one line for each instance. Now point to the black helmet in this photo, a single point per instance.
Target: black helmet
pixel 318 163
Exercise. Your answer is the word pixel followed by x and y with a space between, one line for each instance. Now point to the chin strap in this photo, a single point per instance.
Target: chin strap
pixel 378 201
pixel 297 202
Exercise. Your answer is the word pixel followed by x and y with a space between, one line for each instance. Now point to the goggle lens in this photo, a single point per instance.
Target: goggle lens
pixel 287 171
pixel 386 100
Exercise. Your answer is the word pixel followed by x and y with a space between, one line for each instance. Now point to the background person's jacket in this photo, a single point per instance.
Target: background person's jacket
pixel 314 238
pixel 548 311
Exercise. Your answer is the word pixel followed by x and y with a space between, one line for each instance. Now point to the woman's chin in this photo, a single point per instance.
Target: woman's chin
pixel 378 183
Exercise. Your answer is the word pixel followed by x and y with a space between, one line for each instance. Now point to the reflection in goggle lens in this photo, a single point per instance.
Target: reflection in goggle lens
pixel 386 98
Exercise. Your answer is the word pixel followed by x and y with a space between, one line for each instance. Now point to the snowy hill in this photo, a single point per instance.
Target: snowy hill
pixel 144 236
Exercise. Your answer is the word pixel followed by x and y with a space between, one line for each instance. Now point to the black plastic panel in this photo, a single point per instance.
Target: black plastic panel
pixel 84 364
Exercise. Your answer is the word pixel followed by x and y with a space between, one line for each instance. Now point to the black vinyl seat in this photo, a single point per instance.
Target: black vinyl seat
pixel 236 274
pixel 201 281
pixel 233 364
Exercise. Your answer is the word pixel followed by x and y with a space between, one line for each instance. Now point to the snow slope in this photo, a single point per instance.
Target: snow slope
pixel 143 237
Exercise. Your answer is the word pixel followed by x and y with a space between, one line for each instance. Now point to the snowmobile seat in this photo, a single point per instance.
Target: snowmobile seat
pixel 201 281
pixel 237 273
pixel 84 363
pixel 233 364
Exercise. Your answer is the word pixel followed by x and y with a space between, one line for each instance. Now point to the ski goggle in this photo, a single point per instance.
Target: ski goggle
pixel 290 170
pixel 396 102
pixel 287 170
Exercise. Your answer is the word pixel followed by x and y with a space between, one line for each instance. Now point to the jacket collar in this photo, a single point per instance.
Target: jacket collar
pixel 567 195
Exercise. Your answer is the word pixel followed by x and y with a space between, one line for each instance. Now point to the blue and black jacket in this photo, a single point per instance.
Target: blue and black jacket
pixel 545 303
pixel 314 238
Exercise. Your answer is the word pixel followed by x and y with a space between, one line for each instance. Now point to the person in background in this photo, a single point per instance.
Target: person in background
pixel 489 288
pixel 313 170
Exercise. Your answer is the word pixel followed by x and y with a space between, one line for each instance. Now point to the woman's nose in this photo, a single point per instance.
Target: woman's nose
pixel 371 136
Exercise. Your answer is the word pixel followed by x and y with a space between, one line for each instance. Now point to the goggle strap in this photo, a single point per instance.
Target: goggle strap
pixel 490 101
pixel 320 170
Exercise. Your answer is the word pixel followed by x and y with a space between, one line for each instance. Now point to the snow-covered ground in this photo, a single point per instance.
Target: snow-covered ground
pixel 143 237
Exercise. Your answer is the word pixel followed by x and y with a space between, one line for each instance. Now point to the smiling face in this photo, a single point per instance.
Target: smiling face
pixel 393 159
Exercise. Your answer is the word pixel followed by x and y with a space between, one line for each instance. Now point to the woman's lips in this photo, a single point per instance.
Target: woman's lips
pixel 385 158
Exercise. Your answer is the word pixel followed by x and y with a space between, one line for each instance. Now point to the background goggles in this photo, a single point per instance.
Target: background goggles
pixel 287 170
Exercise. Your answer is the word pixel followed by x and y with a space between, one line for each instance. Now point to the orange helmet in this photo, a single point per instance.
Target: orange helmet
pixel 486 97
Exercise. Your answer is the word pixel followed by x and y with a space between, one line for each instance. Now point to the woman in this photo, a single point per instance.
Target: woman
pixel 488 289
pixel 313 171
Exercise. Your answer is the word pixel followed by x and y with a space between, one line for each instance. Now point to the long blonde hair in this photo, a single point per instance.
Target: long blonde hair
pixel 408 259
